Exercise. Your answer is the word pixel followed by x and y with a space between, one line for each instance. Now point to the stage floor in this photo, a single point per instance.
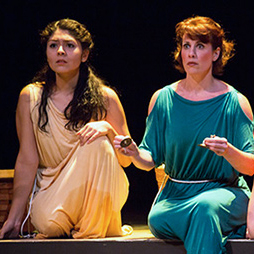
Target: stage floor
pixel 140 242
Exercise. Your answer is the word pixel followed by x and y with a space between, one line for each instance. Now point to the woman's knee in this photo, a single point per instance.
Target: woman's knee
pixel 50 229
pixel 206 207
pixel 50 223
pixel 157 223
pixel 99 145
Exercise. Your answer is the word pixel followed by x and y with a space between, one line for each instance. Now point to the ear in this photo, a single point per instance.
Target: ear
pixel 85 55
pixel 216 54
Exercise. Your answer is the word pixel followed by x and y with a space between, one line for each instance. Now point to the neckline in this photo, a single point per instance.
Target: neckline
pixel 55 107
pixel 201 101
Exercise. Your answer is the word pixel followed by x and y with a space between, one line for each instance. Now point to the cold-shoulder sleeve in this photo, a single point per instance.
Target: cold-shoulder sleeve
pixel 243 136
pixel 153 140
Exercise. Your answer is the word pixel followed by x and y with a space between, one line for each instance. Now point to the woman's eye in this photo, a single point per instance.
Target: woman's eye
pixel 70 45
pixel 200 46
pixel 186 46
pixel 52 45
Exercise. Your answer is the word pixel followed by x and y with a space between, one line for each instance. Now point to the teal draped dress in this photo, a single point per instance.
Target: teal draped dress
pixel 202 215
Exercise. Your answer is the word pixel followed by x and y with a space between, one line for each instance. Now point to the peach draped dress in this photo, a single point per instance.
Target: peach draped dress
pixel 80 189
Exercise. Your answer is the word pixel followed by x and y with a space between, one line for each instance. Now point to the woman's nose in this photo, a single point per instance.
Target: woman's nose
pixel 192 52
pixel 60 50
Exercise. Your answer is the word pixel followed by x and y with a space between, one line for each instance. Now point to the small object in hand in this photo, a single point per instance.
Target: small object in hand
pixel 125 142
pixel 202 145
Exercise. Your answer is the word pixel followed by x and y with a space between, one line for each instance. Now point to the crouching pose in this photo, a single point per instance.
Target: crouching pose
pixel 66 122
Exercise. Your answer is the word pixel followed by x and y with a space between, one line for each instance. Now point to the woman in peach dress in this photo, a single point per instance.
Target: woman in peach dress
pixel 66 122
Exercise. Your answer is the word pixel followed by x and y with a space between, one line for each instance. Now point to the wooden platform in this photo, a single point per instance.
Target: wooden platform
pixel 140 242
pixel 6 185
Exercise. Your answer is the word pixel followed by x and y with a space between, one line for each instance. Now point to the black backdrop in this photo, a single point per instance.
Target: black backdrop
pixel 133 41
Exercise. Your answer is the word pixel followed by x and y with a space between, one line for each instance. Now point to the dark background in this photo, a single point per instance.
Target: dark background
pixel 134 41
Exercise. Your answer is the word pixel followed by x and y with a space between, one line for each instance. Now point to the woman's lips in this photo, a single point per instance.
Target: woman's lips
pixel 61 61
pixel 192 64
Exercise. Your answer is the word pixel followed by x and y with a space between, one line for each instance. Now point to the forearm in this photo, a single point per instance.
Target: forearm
pixel 123 160
pixel 243 162
pixel 23 183
pixel 143 160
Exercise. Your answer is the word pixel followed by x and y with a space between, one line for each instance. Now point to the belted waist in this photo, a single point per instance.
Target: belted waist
pixel 190 181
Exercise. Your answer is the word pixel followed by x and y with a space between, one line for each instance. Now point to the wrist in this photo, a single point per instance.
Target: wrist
pixel 226 153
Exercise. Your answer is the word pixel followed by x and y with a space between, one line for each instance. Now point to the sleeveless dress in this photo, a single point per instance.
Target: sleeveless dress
pixel 80 189
pixel 202 215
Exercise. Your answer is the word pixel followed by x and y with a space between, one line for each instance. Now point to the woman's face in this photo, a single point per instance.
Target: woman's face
pixel 65 53
pixel 197 57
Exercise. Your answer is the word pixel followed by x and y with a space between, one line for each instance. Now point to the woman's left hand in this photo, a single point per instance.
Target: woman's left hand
pixel 216 144
pixel 93 130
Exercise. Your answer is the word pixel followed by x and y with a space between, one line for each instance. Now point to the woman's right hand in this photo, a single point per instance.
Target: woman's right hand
pixel 10 230
pixel 130 150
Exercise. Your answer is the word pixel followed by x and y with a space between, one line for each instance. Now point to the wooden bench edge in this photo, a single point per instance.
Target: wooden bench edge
pixel 6 173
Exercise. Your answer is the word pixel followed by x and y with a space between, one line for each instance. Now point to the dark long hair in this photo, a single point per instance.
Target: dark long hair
pixel 88 101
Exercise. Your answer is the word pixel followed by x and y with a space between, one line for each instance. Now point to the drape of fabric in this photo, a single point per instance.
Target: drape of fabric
pixel 81 189
pixel 202 215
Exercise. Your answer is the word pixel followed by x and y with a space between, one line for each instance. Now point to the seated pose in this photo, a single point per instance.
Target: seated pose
pixel 201 129
pixel 66 123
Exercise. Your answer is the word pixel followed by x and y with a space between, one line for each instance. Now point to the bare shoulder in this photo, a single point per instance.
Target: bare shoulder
pixel 109 92
pixel 25 92
pixel 24 96
pixel 245 105
pixel 111 97
pixel 153 100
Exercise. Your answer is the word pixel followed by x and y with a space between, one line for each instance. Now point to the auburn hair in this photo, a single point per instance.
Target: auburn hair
pixel 205 30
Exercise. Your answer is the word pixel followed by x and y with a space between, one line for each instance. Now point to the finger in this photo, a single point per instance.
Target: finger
pixel 247 234
pixel 216 143
pixel 84 137
pixel 94 135
pixel 119 137
pixel 82 130
pixel 218 150
pixel 116 145
pixel 117 140
pixel 125 151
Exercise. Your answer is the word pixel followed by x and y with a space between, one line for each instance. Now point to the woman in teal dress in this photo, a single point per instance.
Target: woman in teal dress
pixel 201 128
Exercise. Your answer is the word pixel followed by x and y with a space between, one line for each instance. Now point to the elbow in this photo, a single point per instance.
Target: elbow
pixel 250 172
pixel 27 163
pixel 144 167
pixel 250 165
pixel 125 164
pixel 148 168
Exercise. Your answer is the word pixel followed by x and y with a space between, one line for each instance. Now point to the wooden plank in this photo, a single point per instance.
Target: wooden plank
pixel 6 173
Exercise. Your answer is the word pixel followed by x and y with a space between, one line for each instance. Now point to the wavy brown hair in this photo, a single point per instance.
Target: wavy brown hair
pixel 88 101
pixel 205 30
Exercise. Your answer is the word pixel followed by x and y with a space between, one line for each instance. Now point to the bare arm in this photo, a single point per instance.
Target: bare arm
pixel 117 119
pixel 142 159
pixel 241 161
pixel 25 167
pixel 114 124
